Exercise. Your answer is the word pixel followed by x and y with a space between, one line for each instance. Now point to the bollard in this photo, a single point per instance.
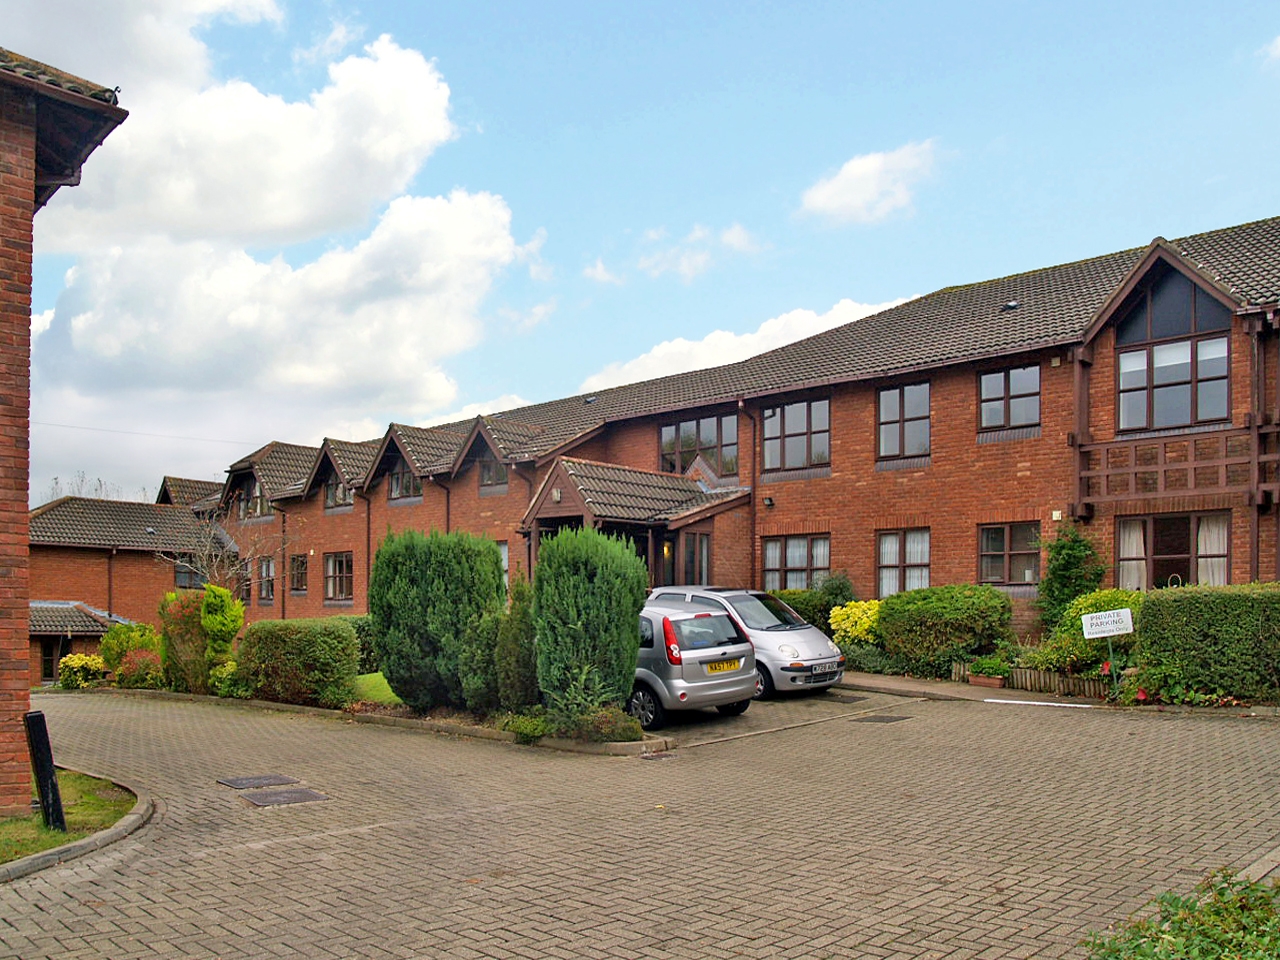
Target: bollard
pixel 46 774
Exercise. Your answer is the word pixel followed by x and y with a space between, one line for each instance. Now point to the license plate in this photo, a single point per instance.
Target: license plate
pixel 825 667
pixel 722 666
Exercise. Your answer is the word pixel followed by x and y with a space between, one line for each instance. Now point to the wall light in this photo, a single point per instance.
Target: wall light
pixel 768 501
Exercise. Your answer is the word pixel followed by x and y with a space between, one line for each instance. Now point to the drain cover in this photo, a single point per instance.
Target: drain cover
pixel 877 718
pixel 274 798
pixel 265 780
pixel 845 698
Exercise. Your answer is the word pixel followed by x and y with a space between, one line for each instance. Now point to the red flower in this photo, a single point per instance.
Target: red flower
pixel 1106 668
pixel 1142 695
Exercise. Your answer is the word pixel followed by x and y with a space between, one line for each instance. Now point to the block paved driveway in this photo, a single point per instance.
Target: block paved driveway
pixel 969 830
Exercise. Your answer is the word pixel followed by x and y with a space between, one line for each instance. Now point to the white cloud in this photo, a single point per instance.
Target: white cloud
pixel 871 186
pixel 687 263
pixel 694 254
pixel 737 237
pixel 1272 50
pixel 338 39
pixel 532 317
pixel 600 273
pixel 508 401
pixel 40 322
pixel 721 346
pixel 531 255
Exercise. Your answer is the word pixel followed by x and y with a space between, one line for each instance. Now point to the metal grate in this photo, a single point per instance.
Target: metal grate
pixel 263 780
pixel 877 718
pixel 275 798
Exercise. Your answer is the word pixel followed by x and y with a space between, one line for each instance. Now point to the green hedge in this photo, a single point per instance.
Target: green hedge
pixel 310 662
pixel 928 629
pixel 123 637
pixel 363 626
pixel 1066 650
pixel 815 605
pixel 1211 641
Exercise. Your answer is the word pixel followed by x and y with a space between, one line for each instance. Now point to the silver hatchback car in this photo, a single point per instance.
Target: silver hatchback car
pixel 690 657
pixel 790 654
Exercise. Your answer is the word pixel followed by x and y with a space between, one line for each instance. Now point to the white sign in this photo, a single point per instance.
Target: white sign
pixel 1108 623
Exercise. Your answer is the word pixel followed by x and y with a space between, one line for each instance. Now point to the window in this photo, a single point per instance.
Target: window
pixel 253 501
pixel 336 493
pixel 298 573
pixel 1009 398
pixel 902 559
pixel 506 561
pixel 1179 376
pixel 186 577
pixel 338 576
pixel 246 581
pixel 714 438
pixel 1009 553
pixel 797 435
pixel 796 563
pixel 1173 550
pixel 492 472
pixel 904 421
pixel 266 579
pixel 402 483
pixel 697 558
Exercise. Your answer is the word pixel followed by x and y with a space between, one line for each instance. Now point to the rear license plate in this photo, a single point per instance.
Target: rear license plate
pixel 722 666
pixel 825 667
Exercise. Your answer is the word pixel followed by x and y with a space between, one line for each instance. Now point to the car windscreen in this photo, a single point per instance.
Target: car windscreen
pixel 698 633
pixel 763 611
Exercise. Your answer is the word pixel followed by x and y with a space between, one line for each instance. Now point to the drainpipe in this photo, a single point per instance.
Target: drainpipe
pixel 281 585
pixel 111 581
pixel 368 545
pixel 755 486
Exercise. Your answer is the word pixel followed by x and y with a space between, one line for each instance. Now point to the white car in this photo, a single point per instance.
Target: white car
pixel 790 654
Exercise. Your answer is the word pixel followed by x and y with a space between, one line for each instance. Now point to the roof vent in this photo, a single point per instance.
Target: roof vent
pixel 151 530
pixel 1011 305
pixel 589 400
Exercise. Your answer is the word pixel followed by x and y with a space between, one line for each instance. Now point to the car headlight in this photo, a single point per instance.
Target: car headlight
pixel 832 647
pixel 787 650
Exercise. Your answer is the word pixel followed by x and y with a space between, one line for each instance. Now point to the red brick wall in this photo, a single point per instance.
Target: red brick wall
pixel 17 206
pixel 129 584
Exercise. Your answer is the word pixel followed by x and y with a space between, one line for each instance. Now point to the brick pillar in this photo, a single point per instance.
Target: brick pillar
pixel 17 207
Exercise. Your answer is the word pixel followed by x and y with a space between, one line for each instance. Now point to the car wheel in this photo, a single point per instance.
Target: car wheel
pixel 645 706
pixel 764 683
pixel 733 709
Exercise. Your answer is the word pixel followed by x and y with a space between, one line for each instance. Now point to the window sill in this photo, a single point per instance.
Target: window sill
pixel 267 603
pixel 1020 591
pixel 904 463
pixel 1174 431
pixel 339 603
pixel 341 508
pixel 404 501
pixel 297 593
pixel 802 473
pixel 251 521
pixel 1009 433
pixel 495 490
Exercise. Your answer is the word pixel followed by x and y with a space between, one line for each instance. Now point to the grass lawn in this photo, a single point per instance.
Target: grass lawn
pixel 373 688
pixel 88 804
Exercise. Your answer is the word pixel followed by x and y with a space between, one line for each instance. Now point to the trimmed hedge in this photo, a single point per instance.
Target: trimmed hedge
pixel 1214 641
pixel 312 662
pixel 929 628
pixel 1066 650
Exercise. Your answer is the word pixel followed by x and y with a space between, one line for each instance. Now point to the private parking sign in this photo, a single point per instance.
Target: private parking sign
pixel 1108 623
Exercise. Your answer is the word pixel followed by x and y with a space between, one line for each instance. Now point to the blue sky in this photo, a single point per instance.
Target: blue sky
pixel 322 217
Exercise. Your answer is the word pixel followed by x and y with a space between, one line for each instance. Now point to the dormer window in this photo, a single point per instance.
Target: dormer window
pixel 402 482
pixel 253 501
pixel 715 439
pixel 1173 357
pixel 336 493
pixel 493 473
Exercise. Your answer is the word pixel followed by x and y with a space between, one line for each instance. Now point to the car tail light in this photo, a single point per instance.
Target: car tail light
pixel 673 644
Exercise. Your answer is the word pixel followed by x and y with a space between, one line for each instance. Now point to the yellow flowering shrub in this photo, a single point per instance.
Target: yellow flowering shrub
pixel 852 624
pixel 79 670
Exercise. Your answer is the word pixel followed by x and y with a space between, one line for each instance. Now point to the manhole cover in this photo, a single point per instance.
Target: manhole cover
pixel 265 780
pixel 845 698
pixel 274 798
pixel 877 718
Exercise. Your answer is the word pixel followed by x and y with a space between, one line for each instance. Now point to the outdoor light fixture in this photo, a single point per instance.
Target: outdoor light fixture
pixel 768 501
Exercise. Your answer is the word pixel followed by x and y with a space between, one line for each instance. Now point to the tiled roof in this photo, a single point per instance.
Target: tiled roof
pixel 182 492
pixel 1244 259
pixel 279 467
pixel 432 449
pixel 21 66
pixel 354 459
pixel 82 522
pixel 69 617
pixel 641 496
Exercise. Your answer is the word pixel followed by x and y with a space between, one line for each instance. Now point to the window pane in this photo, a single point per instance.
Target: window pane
pixel 1133 328
pixel 797 580
pixel 772 454
pixel 1024 380
pixel 992 385
pixel 993 413
pixel 795 418
pixel 1210 314
pixel 773 554
pixel 1170 536
pixel 1024 568
pixel 915 400
pixel 1171 406
pixel 915 438
pixel 888 551
pixel 797 551
pixel 1133 410
pixel 688 435
pixel 993 569
pixel 1024 536
pixel 820 448
pixel 1211 358
pixel 1213 536
pixel 1131 540
pixel 729 460
pixel 1133 575
pixel 917 578
pixel 889 406
pixel 820 548
pixel 729 429
pixel 794 451
pixel 1171 306
pixel 1171 362
pixel 668 439
pixel 1024 411
pixel 1212 571
pixel 773 580
pixel 1211 400
pixel 1133 370
pixel 707 432
pixel 772 423
pixel 889 440
pixel 888 581
pixel 1170 572
pixel 819 415
pixel 991 540
pixel 917 546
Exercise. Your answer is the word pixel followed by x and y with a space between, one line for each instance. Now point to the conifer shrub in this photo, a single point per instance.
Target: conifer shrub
pixel 477 664
pixel 423 592
pixel 363 626
pixel 1071 570
pixel 588 591
pixel 120 638
pixel 516 657
pixel 182 642
pixel 221 617
pixel 312 662
pixel 927 629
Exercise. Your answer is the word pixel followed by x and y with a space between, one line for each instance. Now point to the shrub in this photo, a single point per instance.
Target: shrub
pixel 79 670
pixel 815 605
pixel 423 592
pixel 226 680
pixel 606 724
pixel 140 669
pixel 528 727
pixel 1210 643
pixel 584 693
pixel 221 617
pixel 853 624
pixel 516 656
pixel 990 666
pixel 477 666
pixel 1226 917
pixel 311 662
pixel 1066 650
pixel 807 603
pixel 870 659
pixel 927 629
pixel 363 626
pixel 123 637
pixel 1072 569
pixel 182 642
pixel 588 592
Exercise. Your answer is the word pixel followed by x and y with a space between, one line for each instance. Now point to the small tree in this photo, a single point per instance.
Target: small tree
pixel 221 616
pixel 182 642
pixel 516 655
pixel 1073 569
pixel 588 591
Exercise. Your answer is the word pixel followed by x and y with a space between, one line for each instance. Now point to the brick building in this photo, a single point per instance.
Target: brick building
pixel 50 122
